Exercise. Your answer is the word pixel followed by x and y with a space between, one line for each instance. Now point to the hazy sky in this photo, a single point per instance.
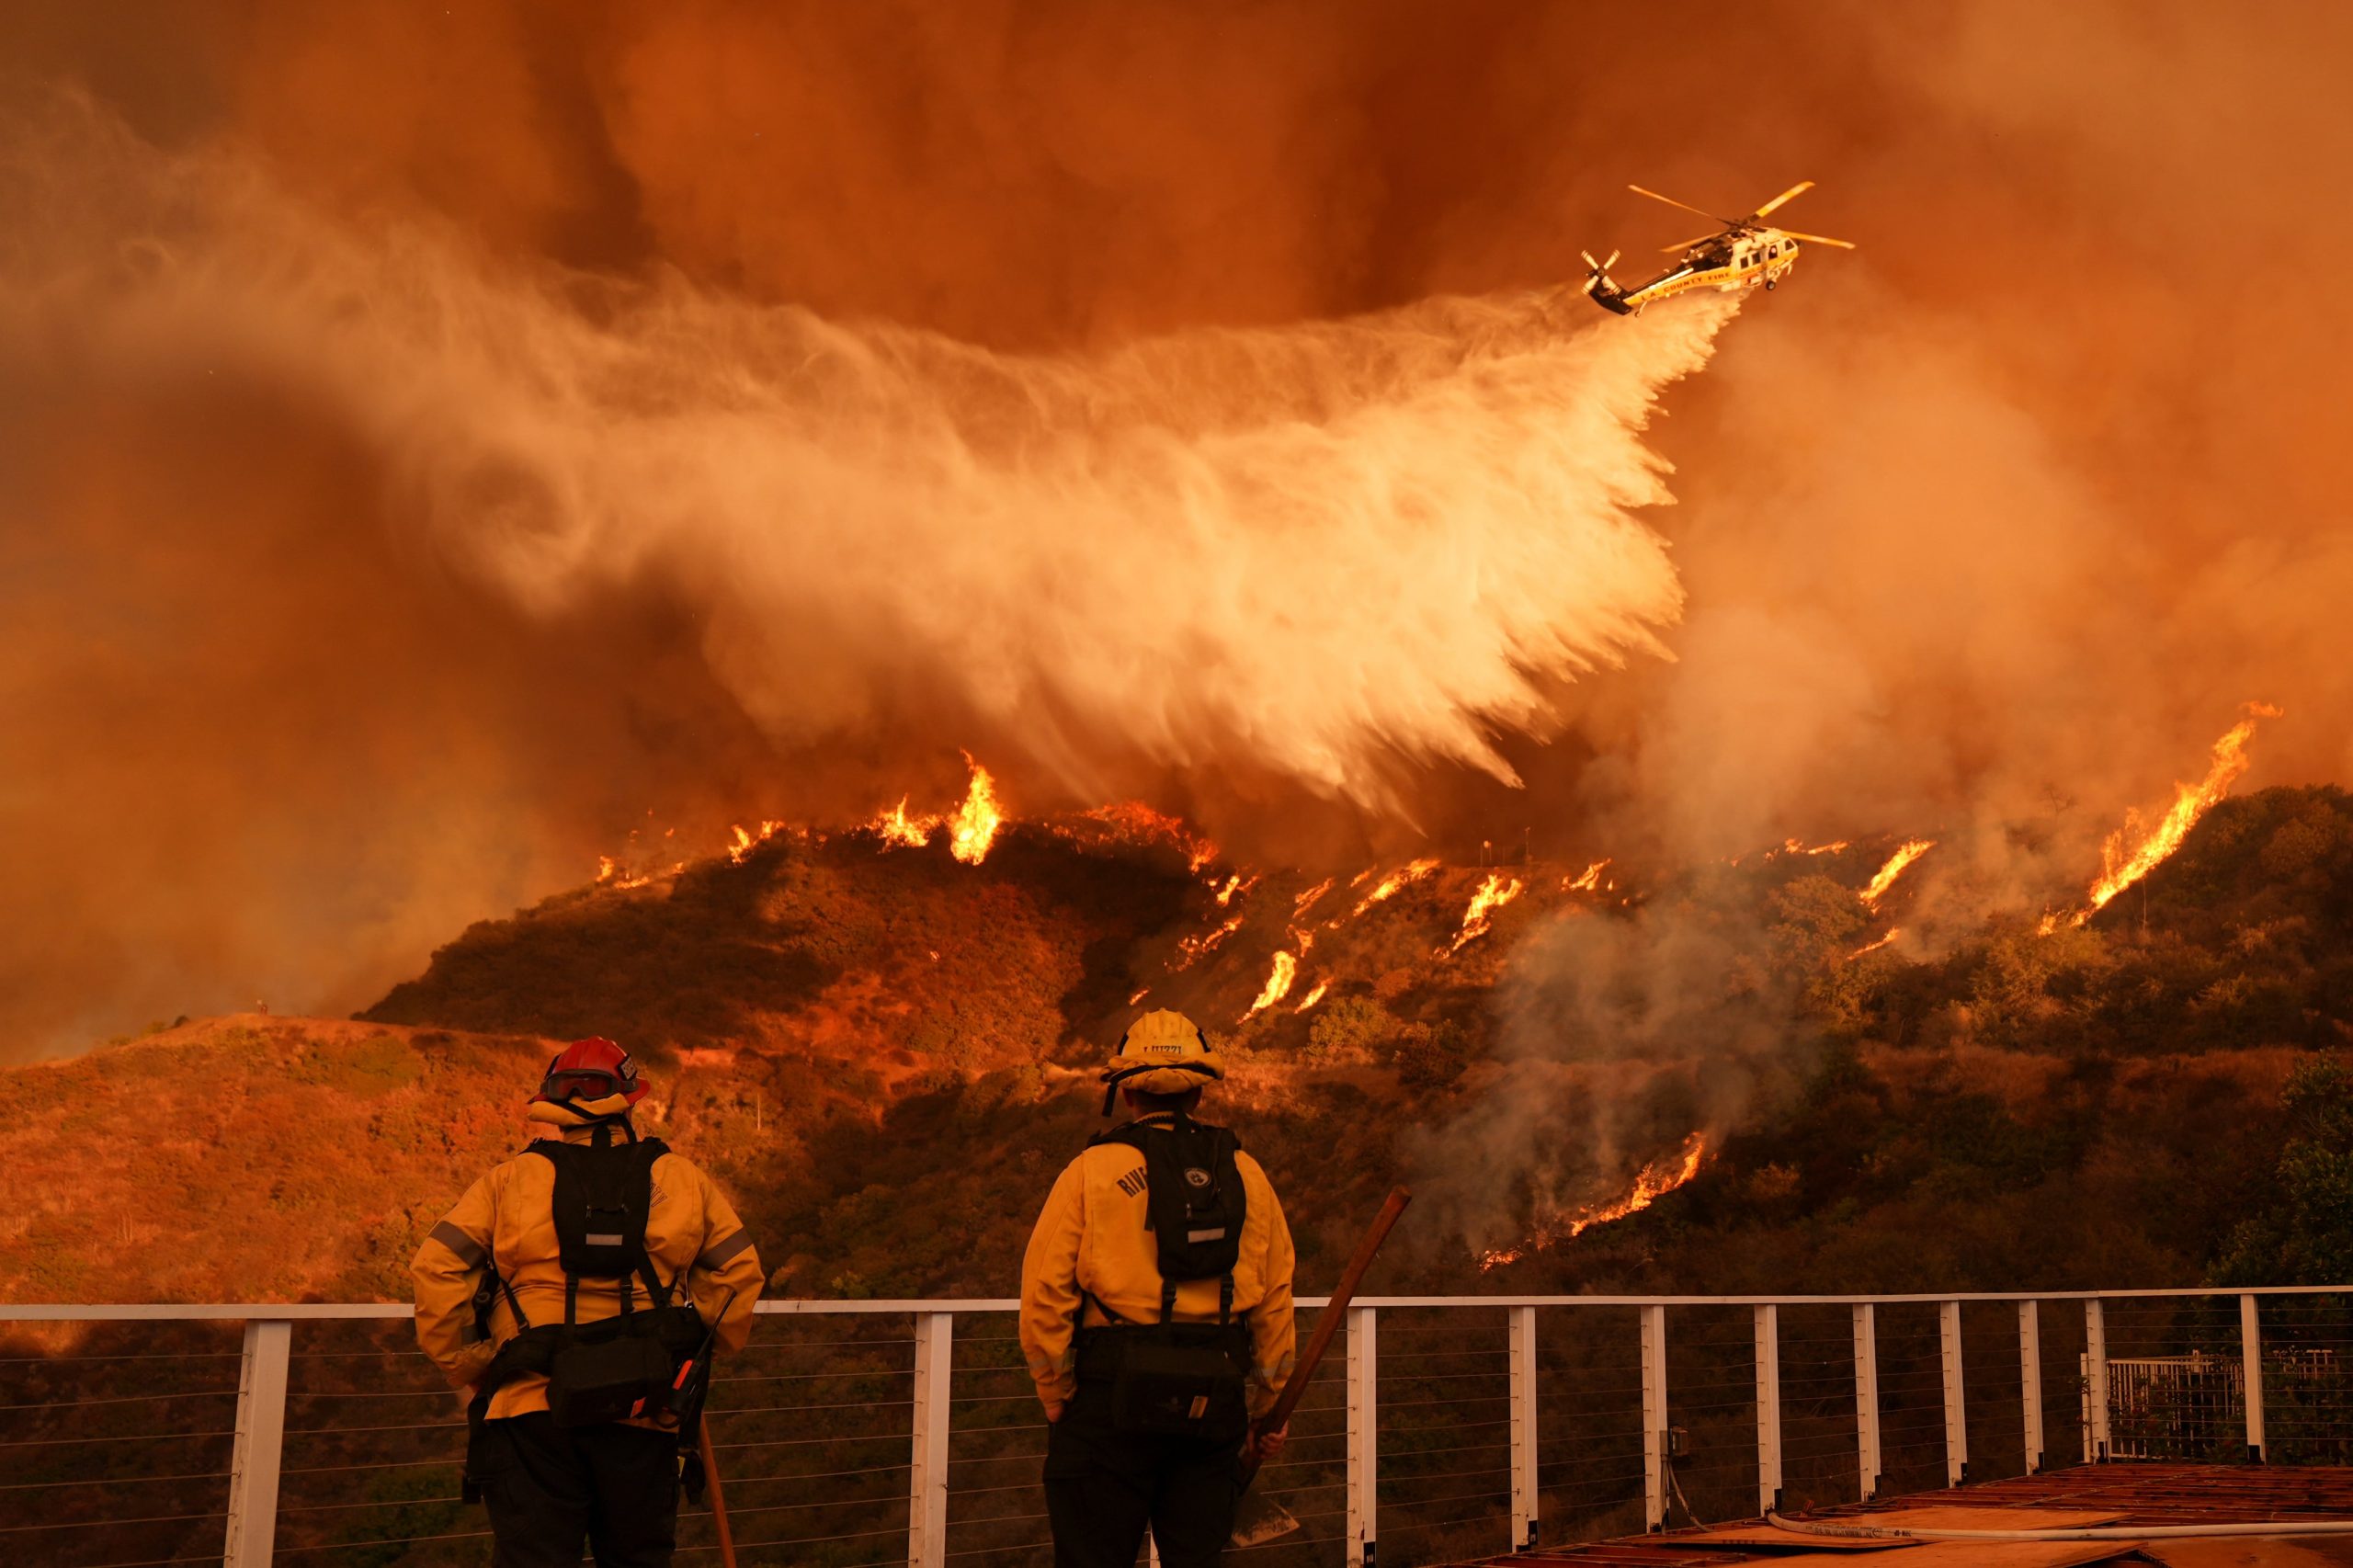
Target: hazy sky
pixel 433 442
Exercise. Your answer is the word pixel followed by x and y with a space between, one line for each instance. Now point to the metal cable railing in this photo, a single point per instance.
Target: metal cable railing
pixel 855 1434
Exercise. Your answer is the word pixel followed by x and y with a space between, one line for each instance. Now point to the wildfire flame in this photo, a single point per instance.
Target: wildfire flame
pixel 972 827
pixel 894 826
pixel 1192 947
pixel 1300 904
pixel 1286 970
pixel 1589 880
pixel 1389 885
pixel 1134 819
pixel 1234 888
pixel 1315 995
pixel 1905 852
pixel 1894 932
pixel 745 842
pixel 2120 867
pixel 1493 894
pixel 1657 1179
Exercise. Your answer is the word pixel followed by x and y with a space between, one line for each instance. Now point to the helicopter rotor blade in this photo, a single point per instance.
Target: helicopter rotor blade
pixel 1702 212
pixel 1790 195
pixel 1682 245
pixel 1820 239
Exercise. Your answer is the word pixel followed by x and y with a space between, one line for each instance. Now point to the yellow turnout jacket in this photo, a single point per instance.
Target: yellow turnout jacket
pixel 691 1234
pixel 1091 1241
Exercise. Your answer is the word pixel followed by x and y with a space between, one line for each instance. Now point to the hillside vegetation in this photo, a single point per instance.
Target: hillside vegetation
pixel 887 1054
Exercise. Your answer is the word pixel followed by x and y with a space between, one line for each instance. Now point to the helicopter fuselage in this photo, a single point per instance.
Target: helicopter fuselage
pixel 1728 263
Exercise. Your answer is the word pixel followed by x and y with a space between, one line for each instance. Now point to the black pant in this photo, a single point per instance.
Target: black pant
pixel 549 1487
pixel 1103 1486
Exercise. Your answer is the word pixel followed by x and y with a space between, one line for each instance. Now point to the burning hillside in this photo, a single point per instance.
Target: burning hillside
pixel 886 1048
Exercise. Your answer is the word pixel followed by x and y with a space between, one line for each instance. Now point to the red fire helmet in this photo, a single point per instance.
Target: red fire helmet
pixel 587 1071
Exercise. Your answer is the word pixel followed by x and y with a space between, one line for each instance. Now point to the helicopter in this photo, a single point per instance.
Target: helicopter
pixel 1746 254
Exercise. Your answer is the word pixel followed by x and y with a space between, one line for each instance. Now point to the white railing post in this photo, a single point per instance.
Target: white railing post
pixel 1768 1409
pixel 1956 1395
pixel 928 1475
pixel 1524 1505
pixel 2095 1436
pixel 1364 1435
pixel 2030 1382
pixel 261 1446
pixel 1867 1398
pixel 1654 1417
pixel 2251 1359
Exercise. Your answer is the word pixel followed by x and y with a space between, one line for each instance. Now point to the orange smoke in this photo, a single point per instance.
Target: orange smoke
pixel 1884 879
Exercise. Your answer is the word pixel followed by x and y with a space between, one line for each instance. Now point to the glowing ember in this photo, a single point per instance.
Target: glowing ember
pixel 2120 867
pixel 1389 885
pixel 1134 819
pixel 1141 993
pixel 1800 846
pixel 1315 995
pixel 974 826
pixel 1875 947
pixel 1493 894
pixel 1286 970
pixel 1192 947
pixel 1905 852
pixel 1589 880
pixel 1656 1181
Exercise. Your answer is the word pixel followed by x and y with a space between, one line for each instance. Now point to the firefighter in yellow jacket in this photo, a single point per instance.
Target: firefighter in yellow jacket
pixel 577 1292
pixel 1156 1316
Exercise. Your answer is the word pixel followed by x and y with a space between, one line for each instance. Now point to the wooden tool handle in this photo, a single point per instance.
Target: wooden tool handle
pixel 1328 1322
pixel 717 1498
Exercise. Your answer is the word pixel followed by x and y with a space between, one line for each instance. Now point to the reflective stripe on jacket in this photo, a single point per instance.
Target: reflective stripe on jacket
pixel 691 1232
pixel 1091 1237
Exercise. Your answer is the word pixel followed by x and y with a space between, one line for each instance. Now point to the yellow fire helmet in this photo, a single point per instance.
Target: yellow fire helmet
pixel 1162 1053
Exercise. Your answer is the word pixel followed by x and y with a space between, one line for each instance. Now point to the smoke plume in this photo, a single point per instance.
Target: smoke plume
pixel 432 441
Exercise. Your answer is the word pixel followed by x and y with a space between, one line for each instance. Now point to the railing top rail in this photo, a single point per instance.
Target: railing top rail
pixel 239 1312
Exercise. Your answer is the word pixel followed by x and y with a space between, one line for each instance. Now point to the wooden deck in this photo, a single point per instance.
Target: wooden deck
pixel 2124 1494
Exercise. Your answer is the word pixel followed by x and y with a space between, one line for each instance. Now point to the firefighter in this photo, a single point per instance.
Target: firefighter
pixel 576 1293
pixel 1156 1316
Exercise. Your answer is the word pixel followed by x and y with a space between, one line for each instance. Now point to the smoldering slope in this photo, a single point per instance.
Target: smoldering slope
pixel 1326 553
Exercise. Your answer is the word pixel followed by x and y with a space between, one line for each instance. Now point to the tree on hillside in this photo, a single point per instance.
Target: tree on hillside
pixel 2306 1235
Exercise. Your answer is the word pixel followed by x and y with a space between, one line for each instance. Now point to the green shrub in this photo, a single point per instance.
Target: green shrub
pixel 1432 1056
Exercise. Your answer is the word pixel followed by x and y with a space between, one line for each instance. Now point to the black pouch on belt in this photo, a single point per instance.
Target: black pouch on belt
pixel 1182 1379
pixel 611 1379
